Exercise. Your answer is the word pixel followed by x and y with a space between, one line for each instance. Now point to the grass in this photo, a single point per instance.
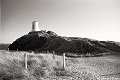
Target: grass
pixel 49 67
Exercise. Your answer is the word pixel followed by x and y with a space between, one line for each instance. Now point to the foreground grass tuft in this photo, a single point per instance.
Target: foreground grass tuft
pixel 12 71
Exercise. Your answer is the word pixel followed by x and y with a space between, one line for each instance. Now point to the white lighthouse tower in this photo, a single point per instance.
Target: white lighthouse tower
pixel 35 26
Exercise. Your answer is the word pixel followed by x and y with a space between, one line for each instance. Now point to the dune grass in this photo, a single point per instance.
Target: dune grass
pixel 40 66
pixel 50 67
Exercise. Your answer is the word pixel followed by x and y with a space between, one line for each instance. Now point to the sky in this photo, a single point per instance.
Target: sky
pixel 95 19
pixel 0 16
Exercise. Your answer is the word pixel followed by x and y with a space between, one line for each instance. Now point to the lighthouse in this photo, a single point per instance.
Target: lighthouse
pixel 35 26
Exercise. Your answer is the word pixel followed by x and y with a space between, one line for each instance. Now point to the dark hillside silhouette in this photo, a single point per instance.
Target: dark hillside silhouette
pixel 49 41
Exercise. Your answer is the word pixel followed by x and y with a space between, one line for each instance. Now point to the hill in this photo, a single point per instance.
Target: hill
pixel 49 41
pixel 4 46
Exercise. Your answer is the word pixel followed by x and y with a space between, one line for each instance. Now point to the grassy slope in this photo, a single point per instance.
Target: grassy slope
pixel 47 67
pixel 106 67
